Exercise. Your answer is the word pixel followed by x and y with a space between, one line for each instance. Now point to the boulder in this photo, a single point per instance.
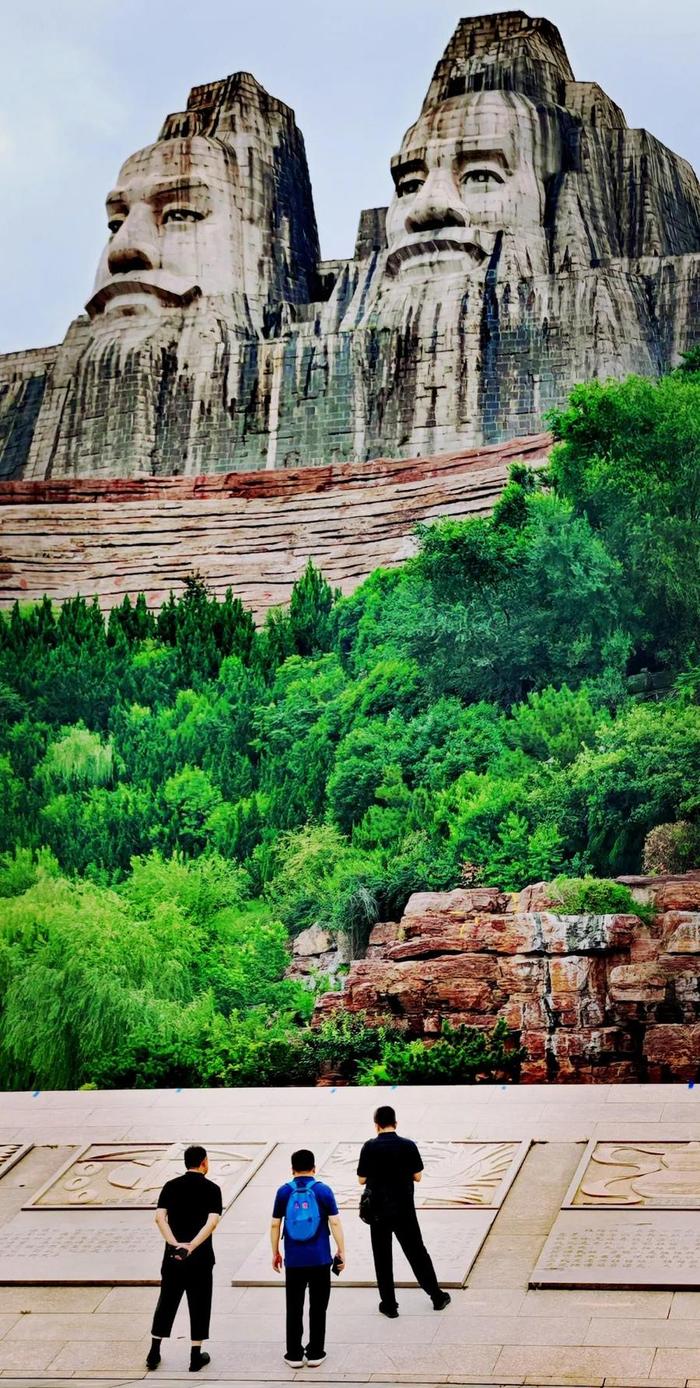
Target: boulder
pixel 316 951
pixel 681 930
pixel 315 940
pixel 672 1053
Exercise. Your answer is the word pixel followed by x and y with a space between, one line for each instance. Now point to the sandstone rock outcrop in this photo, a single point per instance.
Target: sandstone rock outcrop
pixel 531 240
pixel 315 951
pixel 609 998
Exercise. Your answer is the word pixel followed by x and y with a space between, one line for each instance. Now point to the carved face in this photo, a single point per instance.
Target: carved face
pixel 469 168
pixel 175 232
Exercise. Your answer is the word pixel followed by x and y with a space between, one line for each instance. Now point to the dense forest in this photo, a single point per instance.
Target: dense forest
pixel 181 791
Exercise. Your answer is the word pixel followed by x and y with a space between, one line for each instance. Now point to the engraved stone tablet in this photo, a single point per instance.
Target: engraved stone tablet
pixel 105 1248
pixel 457 1175
pixel 120 1176
pixel 631 1218
pixel 621 1248
pixel 93 1221
pixel 453 1241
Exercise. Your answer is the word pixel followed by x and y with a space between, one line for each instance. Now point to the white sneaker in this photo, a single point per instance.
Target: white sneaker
pixel 314 1363
pixel 293 1363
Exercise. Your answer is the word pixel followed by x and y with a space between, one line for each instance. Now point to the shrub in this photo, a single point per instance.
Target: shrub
pixel 672 848
pixel 345 1044
pixel 21 869
pixel 595 896
pixel 459 1055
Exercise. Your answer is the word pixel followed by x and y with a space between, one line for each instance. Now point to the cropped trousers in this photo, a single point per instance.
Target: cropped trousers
pixel 180 1279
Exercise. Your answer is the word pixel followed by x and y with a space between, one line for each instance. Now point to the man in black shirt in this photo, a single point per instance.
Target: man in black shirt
pixel 189 1209
pixel 390 1166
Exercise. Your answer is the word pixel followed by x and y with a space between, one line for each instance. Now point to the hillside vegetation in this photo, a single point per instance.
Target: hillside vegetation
pixel 180 792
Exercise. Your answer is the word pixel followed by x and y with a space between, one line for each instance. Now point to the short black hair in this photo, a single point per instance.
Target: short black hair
pixel 385 1116
pixel 303 1160
pixel 194 1156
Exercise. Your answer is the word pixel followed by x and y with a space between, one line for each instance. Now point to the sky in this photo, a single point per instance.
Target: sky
pixel 85 83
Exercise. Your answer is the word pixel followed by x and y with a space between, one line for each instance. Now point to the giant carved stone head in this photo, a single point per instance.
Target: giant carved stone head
pixel 475 170
pixel 472 166
pixel 176 231
pixel 218 209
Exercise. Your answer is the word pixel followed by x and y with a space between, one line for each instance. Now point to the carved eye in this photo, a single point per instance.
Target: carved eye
pixel 481 178
pixel 181 214
pixel 115 224
pixel 407 186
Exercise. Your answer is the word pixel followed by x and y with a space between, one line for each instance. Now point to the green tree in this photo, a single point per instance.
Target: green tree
pixel 190 798
pixel 78 758
pixel 555 723
pixel 310 612
pixel 629 461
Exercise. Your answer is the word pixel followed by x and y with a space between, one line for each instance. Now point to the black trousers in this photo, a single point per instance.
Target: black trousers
pixel 406 1228
pixel 296 1281
pixel 184 1279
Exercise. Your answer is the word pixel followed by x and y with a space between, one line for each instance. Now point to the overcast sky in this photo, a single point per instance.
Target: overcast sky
pixel 84 83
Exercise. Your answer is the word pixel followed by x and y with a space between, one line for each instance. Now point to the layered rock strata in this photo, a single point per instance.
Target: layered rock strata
pixel 590 998
pixel 251 532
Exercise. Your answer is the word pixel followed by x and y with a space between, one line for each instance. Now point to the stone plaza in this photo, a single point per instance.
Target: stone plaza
pixel 565 1220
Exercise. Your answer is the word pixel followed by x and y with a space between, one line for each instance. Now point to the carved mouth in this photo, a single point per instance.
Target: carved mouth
pixel 433 250
pixel 167 290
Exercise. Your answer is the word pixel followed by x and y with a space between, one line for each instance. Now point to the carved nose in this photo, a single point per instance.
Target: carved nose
pixel 135 245
pixel 436 206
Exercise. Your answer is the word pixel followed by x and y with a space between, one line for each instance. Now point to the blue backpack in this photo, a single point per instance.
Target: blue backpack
pixel 302 1218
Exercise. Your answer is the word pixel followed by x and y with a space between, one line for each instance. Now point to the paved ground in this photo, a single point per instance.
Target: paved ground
pixel 496 1332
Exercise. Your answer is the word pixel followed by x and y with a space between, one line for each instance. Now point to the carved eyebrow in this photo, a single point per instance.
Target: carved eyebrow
pixel 468 153
pixel 178 187
pixel 411 164
pixel 160 190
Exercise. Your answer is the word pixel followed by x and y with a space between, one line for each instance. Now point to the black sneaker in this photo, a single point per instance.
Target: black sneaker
pixel 153 1357
pixel 442 1301
pixel 200 1362
pixel 391 1312
pixel 315 1360
pixel 293 1362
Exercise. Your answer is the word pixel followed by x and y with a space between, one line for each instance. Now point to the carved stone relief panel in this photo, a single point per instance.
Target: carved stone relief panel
pixel 650 1175
pixel 119 1176
pixel 457 1175
pixel 10 1154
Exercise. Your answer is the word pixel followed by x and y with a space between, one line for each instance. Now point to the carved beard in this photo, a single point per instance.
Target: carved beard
pixel 114 419
pixel 397 292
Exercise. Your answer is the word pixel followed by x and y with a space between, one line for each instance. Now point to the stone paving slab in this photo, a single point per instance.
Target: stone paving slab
pixel 453 1237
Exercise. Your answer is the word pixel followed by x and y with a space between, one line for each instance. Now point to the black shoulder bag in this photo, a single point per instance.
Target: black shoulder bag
pixel 367 1209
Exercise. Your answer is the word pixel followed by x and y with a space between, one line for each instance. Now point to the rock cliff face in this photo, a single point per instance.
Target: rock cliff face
pixel 531 240
pixel 591 998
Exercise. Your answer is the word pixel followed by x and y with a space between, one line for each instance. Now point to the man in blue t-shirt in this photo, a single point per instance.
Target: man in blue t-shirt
pixel 307 1257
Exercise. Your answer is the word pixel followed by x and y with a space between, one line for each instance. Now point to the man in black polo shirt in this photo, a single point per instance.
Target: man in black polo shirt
pixel 390 1166
pixel 189 1209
